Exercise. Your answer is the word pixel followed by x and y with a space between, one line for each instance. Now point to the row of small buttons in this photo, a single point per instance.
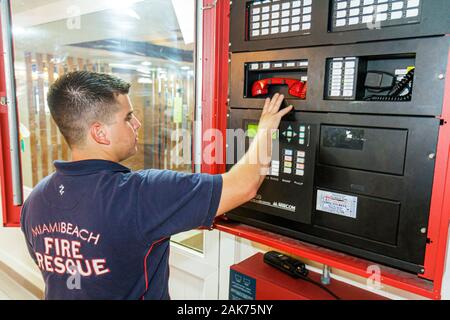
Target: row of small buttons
pixel 288 154
pixel 290 134
pixel 356 12
pixel 278 64
pixel 284 17
pixel 342 77
pixel 300 169
pixel 275 168
pixel 299 165
pixel 302 135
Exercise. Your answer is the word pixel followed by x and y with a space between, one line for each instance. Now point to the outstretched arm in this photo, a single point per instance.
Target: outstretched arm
pixel 242 182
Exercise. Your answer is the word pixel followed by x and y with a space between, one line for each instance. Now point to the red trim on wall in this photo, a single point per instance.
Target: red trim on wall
pixel 334 259
pixel 440 202
pixel 215 79
pixel 11 213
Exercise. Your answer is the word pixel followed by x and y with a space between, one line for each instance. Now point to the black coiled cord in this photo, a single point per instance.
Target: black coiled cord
pixel 394 94
pixel 399 87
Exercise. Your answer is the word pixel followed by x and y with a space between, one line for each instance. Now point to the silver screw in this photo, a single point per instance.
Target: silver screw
pixel 431 156
pixel 441 77
pixel 326 278
pixel 423 230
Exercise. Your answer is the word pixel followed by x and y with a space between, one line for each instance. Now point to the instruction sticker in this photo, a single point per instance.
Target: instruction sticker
pixel 336 203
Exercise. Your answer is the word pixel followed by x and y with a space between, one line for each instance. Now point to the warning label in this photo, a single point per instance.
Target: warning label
pixel 337 203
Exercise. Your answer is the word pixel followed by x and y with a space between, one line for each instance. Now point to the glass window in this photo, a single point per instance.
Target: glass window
pixel 150 44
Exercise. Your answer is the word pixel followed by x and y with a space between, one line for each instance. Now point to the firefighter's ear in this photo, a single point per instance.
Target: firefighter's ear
pixel 99 133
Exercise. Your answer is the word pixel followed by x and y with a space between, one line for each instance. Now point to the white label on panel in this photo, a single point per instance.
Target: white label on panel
pixel 286 5
pixel 295 20
pixel 341 14
pixel 412 13
pixel 340 22
pixel 354 12
pixel 336 203
pixel 368 10
pixel 341 5
pixel 353 21
pixel 367 19
pixel 347 93
pixel 296 4
pixel 382 8
pixel 306 26
pixel 335 93
pixel 354 3
pixel 396 15
pixel 397 5
pixel 413 3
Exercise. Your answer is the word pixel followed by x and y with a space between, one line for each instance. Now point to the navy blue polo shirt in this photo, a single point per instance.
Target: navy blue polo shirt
pixel 97 230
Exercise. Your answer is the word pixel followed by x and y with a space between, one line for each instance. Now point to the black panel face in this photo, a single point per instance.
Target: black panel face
pixel 371 190
pixel 354 167
pixel 363 148
pixel 270 24
pixel 291 172
pixel 349 78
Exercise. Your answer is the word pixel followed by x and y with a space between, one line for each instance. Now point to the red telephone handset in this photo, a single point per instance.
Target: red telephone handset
pixel 297 88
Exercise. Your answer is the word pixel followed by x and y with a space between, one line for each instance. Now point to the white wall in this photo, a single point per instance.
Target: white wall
pixel 14 253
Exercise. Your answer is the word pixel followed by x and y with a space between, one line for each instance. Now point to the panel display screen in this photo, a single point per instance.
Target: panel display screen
pixel 373 14
pixel 278 18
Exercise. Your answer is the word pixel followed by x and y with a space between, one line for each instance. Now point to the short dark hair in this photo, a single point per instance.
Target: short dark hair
pixel 78 99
